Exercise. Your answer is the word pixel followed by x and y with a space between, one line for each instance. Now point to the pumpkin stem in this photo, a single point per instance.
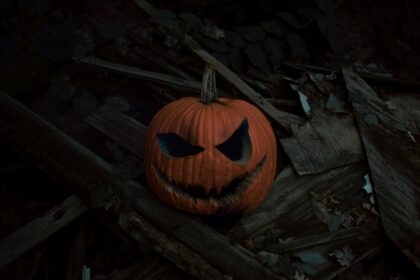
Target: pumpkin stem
pixel 208 87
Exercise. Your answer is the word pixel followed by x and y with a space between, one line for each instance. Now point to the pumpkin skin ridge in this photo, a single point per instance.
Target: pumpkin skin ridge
pixel 255 140
pixel 179 123
pixel 265 135
pixel 225 115
pixel 232 172
pixel 188 167
pixel 227 199
pixel 167 122
pixel 176 121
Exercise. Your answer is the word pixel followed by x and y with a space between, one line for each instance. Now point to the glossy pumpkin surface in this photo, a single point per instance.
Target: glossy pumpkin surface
pixel 213 158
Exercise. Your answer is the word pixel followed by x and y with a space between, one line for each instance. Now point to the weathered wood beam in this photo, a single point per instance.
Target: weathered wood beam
pixel 126 131
pixel 323 143
pixel 194 247
pixel 292 192
pixel 40 229
pixel 194 86
pixel 322 238
pixel 375 250
pixel 390 133
pixel 367 76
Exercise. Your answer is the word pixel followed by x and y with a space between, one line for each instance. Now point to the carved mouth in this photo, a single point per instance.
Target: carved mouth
pixel 227 194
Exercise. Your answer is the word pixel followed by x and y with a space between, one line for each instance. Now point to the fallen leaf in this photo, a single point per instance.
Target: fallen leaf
pixel 368 188
pixel 335 105
pixel 213 32
pixel 303 100
pixel 335 221
pixel 347 220
pixel 360 218
pixel 371 119
pixel 321 211
pixel 268 259
pixel 299 276
pixel 310 257
pixel 344 257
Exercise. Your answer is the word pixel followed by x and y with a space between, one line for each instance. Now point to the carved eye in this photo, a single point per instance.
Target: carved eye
pixel 174 146
pixel 238 147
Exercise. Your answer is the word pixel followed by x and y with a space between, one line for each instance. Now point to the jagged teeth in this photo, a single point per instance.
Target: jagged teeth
pixel 245 181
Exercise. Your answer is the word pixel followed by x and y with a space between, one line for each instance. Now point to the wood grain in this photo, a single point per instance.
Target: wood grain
pixel 40 229
pixel 393 152
pixel 324 142
pixel 206 254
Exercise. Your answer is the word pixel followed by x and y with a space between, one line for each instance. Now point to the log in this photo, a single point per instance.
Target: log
pixel 40 229
pixel 203 252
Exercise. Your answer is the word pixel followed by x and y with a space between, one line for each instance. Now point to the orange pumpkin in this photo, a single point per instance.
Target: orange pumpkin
pixel 210 155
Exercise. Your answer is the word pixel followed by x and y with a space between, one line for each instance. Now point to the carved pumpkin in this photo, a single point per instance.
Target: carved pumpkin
pixel 210 155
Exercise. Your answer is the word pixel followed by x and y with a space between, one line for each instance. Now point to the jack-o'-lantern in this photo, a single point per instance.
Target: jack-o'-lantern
pixel 210 155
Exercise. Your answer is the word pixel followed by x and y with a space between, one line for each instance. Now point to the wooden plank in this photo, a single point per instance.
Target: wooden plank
pixel 204 253
pixel 165 244
pixel 375 250
pixel 322 238
pixel 40 229
pixel 390 81
pixel 290 196
pixel 323 143
pixel 151 267
pixel 214 247
pixel 194 86
pixel 283 118
pixel 390 133
pixel 126 131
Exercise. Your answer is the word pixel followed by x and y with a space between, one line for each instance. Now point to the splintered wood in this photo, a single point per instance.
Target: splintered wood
pixel 390 133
